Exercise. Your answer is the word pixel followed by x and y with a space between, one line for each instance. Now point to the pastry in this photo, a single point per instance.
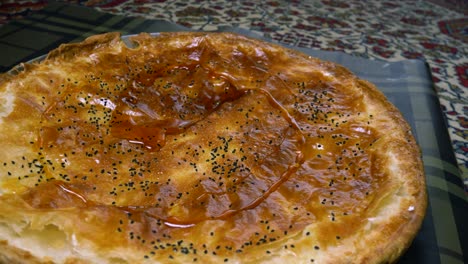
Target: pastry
pixel 201 147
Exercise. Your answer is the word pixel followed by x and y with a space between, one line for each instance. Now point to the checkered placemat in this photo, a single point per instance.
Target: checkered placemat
pixel 444 234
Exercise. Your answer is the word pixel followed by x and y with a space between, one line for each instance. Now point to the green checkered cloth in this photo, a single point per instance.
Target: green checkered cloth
pixel 443 237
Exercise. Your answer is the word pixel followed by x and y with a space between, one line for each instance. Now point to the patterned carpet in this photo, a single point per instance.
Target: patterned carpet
pixel 435 31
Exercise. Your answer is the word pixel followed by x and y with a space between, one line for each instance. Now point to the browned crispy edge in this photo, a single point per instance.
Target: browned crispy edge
pixel 410 162
pixel 66 51
pixel 12 255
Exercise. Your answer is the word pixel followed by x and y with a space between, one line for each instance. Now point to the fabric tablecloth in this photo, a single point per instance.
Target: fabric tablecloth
pixel 443 237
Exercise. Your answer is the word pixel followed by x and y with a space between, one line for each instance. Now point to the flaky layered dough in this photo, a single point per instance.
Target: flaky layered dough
pixel 201 147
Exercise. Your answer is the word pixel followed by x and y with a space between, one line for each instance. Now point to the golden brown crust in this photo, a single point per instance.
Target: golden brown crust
pixel 15 255
pixel 202 147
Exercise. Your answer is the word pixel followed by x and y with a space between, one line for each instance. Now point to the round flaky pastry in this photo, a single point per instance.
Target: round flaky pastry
pixel 201 147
